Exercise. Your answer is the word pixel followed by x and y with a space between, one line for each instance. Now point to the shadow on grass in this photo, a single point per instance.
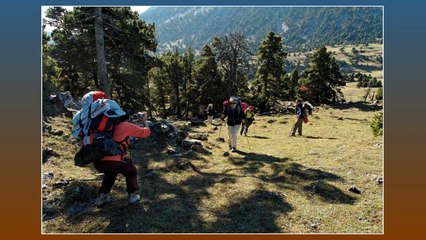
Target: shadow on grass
pixel 363 106
pixel 296 170
pixel 316 137
pixel 259 137
pixel 179 207
pixel 328 193
pixel 254 214
pixel 258 157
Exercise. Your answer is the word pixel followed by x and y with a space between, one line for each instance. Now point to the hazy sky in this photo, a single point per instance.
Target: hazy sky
pixel 139 9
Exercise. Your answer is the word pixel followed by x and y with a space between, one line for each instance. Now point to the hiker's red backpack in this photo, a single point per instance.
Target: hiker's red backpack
pixel 240 105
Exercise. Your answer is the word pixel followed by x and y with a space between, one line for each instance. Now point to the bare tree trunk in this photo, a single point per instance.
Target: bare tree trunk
pixel 149 97
pixel 104 82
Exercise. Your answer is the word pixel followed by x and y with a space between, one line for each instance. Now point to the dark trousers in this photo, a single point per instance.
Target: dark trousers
pixel 245 126
pixel 297 126
pixel 112 168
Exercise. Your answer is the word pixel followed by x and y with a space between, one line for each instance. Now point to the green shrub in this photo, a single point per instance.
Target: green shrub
pixel 379 95
pixel 377 124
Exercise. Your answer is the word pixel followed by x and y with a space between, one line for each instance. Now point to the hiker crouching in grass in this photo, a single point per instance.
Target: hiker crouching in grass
pixel 111 166
pixel 235 116
pixel 301 115
pixel 249 120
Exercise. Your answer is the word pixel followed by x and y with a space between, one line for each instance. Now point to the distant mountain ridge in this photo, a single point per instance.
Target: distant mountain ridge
pixel 303 28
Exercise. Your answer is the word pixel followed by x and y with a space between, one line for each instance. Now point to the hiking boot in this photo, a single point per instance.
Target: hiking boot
pixel 233 149
pixel 103 199
pixel 134 198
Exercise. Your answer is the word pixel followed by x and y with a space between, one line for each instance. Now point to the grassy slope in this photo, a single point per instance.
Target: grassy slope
pixel 275 184
pixel 367 57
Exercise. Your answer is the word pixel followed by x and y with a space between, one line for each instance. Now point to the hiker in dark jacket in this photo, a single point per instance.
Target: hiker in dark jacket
pixel 301 114
pixel 111 166
pixel 249 120
pixel 210 113
pixel 235 116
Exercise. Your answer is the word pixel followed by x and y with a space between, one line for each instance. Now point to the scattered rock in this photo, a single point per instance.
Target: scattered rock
pixel 161 127
pixel 379 180
pixel 44 186
pixel 283 122
pixel 225 154
pixel 214 128
pixel 340 118
pixel 68 101
pixel 313 153
pixel 325 106
pixel 278 194
pixel 171 151
pixel 199 136
pixel 313 225
pixel 263 126
pixel 197 122
pixel 183 134
pixel 354 190
pixel 377 145
pixel 186 144
pixel 220 139
pixel 173 135
pixel 316 117
pixel 48 175
pixel 48 152
pixel 58 132
pixel 151 173
pixel 47 128
pixel 199 149
pixel 189 153
pixel 271 121
pixel 61 183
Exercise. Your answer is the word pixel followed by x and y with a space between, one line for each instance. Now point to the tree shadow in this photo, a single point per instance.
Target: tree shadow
pixel 258 157
pixel 254 214
pixel 177 207
pixel 259 137
pixel 328 193
pixel 356 119
pixel 362 106
pixel 298 171
pixel 316 137
pixel 165 207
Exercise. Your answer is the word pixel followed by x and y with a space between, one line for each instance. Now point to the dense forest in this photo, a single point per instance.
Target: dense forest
pixel 303 28
pixel 114 50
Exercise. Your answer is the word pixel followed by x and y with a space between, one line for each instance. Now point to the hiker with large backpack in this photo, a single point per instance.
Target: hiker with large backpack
pixel 249 120
pixel 105 139
pixel 302 117
pixel 233 109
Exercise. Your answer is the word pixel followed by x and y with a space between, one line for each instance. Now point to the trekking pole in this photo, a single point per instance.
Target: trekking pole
pixel 248 143
pixel 220 128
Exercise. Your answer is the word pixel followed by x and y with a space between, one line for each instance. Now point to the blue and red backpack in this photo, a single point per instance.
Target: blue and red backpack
pixel 94 126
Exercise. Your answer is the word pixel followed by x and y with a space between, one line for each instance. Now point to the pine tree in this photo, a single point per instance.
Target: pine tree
pixel 323 77
pixel 128 46
pixel 270 70
pixel 207 87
